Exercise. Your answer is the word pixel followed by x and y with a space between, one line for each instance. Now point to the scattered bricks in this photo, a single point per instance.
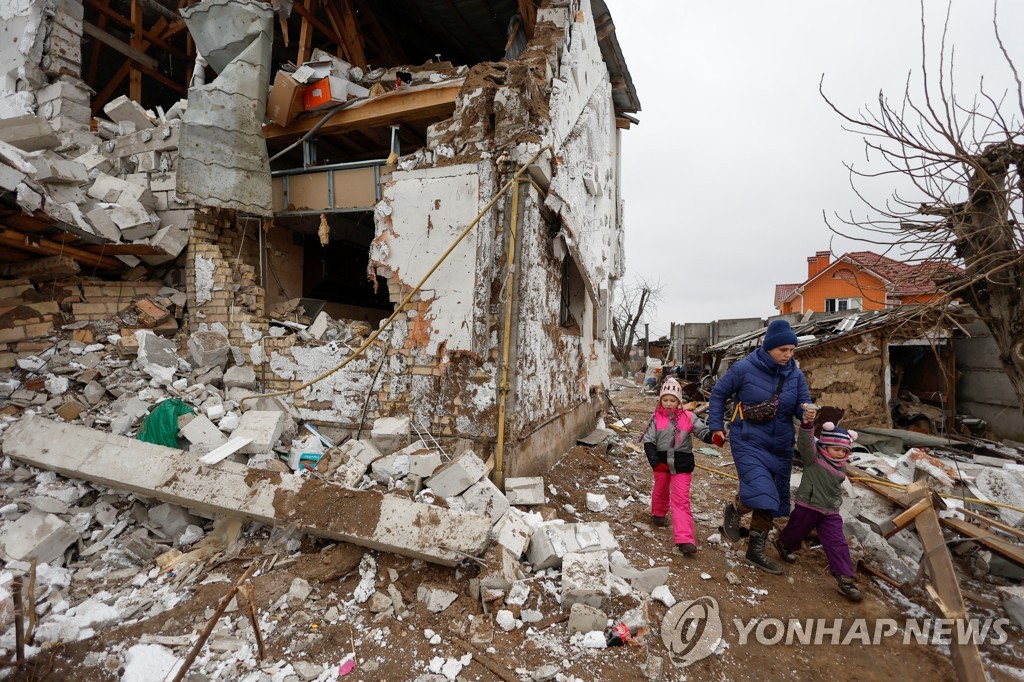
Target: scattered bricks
pixel 391 433
pixel 262 428
pixel 552 541
pixel 240 377
pixel 455 476
pixel 150 312
pixel 70 410
pixel 435 598
pixel 124 109
pixel 585 618
pixel 513 532
pixel 209 349
pixel 36 535
pixel 201 431
pixel 484 499
pixel 127 345
pixel 83 336
pixel 527 491
pixel 585 579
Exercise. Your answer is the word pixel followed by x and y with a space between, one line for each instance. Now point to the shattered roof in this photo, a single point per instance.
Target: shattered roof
pixel 826 329
pixel 623 92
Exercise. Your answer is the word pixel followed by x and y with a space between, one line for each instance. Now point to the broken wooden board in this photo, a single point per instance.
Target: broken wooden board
pixel 367 518
pixel 966 657
pixel 1012 552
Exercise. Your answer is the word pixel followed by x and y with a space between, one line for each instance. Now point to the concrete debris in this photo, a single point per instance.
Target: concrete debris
pixel 525 491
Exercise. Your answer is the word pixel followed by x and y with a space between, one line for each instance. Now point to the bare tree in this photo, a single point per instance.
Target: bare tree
pixel 633 303
pixel 964 161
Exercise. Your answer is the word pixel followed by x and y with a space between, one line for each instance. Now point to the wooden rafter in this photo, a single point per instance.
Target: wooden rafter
pixel 306 32
pixel 153 36
pixel 114 83
pixel 46 247
pixel 135 74
pixel 346 18
pixel 529 13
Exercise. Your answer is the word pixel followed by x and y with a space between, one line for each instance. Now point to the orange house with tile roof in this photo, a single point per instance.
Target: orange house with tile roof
pixel 859 280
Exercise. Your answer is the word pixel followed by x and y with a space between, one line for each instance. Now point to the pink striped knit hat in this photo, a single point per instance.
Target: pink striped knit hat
pixel 836 436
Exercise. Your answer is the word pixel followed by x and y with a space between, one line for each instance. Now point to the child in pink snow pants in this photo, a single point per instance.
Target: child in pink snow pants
pixel 668 444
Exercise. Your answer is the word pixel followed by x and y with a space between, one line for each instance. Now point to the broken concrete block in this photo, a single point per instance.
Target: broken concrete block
pixel 585 618
pixel 122 110
pixel 28 133
pixel 424 464
pixel 391 433
pixel 171 519
pixel 435 598
pixel 133 220
pixel 263 428
pixel 1005 486
pixel 550 542
pixel 363 451
pixel 113 190
pixel 513 532
pixel 94 162
pixel 52 168
pixel 36 535
pixel 348 471
pixel 170 239
pixel 202 431
pixel 484 499
pixel 585 579
pixel 390 468
pixel 10 178
pixel 209 349
pixel 103 224
pixel 457 475
pixel 240 376
pixel 527 490
pixel 501 568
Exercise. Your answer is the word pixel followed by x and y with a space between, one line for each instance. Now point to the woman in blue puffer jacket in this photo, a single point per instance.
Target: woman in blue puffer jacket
pixel 763 452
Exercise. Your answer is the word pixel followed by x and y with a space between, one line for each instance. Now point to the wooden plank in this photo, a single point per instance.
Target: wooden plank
pixel 123 249
pixel 992 523
pixel 529 13
pixel 306 32
pixel 966 657
pixel 413 104
pixel 151 36
pixel 388 523
pixel 124 48
pixel 46 247
pixel 350 33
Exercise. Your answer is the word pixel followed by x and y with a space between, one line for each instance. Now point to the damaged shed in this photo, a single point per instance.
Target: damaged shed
pixel 886 368
pixel 407 208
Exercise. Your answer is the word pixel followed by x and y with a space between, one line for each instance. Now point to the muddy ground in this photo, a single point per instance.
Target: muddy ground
pixel 329 624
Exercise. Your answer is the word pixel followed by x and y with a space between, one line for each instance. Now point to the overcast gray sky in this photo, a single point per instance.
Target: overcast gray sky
pixel 737 155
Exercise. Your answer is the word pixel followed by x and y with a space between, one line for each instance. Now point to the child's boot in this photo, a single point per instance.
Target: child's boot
pixel 731 522
pixel 848 589
pixel 756 556
pixel 783 551
pixel 686 548
pixel 658 521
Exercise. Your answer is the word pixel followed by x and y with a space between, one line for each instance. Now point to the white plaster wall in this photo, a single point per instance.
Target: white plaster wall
pixel 22 47
pixel 419 216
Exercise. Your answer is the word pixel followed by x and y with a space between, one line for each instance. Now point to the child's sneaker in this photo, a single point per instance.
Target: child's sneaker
pixel 848 589
pixel 658 521
pixel 783 551
pixel 686 548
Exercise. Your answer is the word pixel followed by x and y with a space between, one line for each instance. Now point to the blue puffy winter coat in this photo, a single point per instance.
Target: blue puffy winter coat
pixel 763 453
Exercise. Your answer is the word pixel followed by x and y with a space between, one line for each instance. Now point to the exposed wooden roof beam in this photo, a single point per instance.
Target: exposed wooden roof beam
pixel 45 247
pixel 152 35
pixel 413 104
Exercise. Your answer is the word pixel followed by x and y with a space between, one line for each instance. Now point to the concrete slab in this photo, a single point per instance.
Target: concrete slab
pixel 263 429
pixel 202 431
pixel 36 535
pixel 365 518
pixel 526 490
pixel 585 579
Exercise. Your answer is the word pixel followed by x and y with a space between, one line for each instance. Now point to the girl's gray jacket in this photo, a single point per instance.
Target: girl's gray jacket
pixel 658 444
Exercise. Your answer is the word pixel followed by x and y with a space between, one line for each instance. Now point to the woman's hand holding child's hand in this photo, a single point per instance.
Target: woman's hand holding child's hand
pixel 810 412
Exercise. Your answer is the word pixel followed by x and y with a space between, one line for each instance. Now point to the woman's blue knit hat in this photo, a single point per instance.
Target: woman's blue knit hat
pixel 779 334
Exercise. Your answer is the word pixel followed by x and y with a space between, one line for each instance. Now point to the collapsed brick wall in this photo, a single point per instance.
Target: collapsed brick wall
pixel 221 276
pixel 850 374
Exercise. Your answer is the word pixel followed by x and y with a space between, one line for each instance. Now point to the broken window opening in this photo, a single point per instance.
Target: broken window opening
pixel 301 266
pixel 572 298
pixel 921 398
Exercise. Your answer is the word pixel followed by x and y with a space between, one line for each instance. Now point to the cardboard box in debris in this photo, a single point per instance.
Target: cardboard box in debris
pixel 322 82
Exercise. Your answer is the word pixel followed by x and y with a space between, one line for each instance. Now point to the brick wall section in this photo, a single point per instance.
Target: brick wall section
pixel 236 297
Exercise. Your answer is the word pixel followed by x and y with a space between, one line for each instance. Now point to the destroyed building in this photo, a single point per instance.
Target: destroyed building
pixel 285 178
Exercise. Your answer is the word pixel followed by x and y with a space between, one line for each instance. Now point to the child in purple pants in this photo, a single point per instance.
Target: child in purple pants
pixel 668 444
pixel 818 499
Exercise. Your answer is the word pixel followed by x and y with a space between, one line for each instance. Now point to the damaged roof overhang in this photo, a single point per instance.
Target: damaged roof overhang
pixel 623 92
